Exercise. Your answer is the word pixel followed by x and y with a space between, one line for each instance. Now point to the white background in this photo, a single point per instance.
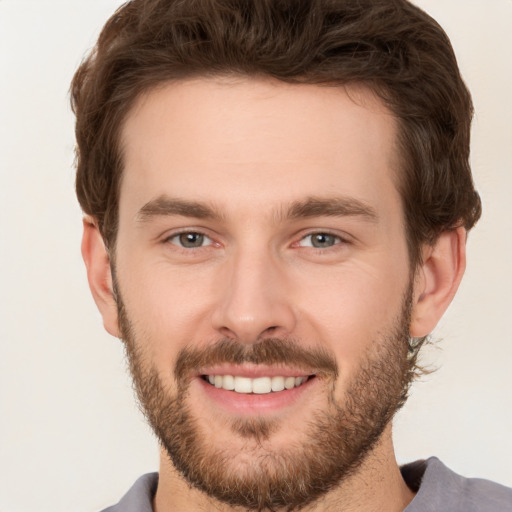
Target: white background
pixel 71 437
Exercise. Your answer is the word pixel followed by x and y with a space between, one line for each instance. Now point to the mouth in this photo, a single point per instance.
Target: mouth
pixel 255 390
pixel 260 385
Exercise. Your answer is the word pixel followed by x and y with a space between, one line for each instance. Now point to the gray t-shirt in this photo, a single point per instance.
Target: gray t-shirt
pixel 438 490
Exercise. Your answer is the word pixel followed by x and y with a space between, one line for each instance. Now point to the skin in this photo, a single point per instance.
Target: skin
pixel 248 149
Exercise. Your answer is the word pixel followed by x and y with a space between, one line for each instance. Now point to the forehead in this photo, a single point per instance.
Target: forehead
pixel 239 141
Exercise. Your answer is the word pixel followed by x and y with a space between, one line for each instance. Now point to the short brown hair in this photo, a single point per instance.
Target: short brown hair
pixel 390 46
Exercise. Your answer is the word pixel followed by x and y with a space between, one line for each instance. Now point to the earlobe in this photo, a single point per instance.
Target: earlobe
pixel 99 275
pixel 437 280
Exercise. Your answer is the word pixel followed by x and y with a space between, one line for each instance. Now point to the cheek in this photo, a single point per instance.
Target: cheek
pixel 168 308
pixel 356 308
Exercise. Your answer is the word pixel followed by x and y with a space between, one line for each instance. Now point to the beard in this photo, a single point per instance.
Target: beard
pixel 337 438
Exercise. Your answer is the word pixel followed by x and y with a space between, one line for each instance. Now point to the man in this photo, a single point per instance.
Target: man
pixel 277 198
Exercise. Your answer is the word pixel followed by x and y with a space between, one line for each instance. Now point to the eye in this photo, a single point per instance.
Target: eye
pixel 320 240
pixel 190 240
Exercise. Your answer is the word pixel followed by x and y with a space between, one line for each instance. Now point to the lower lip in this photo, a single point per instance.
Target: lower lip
pixel 253 403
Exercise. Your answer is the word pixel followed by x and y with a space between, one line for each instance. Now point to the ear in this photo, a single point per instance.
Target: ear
pixel 99 275
pixel 437 280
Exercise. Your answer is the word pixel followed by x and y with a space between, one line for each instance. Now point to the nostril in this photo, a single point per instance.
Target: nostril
pixel 269 332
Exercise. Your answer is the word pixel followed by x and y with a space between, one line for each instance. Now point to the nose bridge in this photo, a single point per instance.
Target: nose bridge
pixel 253 298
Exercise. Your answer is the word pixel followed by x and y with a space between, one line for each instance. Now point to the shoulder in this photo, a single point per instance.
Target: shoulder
pixel 140 496
pixel 439 488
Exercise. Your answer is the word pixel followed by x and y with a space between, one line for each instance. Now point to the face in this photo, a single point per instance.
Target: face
pixel 263 282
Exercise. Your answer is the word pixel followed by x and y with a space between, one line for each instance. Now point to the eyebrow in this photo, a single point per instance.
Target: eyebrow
pixel 310 207
pixel 169 206
pixel 331 207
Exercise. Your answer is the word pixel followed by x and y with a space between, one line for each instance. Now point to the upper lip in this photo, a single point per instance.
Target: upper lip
pixel 253 371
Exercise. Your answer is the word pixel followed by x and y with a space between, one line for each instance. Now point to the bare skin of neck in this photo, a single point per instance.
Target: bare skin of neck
pixel 376 487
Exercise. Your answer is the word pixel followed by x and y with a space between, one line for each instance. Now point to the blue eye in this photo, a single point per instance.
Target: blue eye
pixel 190 240
pixel 320 240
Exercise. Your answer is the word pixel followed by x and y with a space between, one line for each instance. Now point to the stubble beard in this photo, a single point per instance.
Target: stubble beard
pixel 337 439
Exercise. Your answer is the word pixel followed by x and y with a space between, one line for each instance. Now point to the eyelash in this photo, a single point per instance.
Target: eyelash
pixel 338 240
pixel 170 238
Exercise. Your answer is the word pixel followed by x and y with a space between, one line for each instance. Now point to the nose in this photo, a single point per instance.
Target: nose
pixel 254 300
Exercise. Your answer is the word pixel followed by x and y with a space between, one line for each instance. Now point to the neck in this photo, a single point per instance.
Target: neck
pixel 377 485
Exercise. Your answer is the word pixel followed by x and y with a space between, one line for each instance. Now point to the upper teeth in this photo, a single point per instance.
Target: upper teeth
pixel 260 385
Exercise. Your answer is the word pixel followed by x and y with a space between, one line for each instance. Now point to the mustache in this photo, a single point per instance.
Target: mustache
pixel 270 351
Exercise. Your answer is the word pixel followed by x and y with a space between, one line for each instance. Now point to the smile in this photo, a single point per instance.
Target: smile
pixel 259 385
